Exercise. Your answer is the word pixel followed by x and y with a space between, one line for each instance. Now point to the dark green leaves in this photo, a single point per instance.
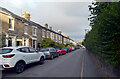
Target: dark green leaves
pixel 104 38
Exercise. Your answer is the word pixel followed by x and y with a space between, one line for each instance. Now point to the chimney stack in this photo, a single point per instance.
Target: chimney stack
pixel 46 25
pixel 26 15
pixel 50 27
pixel 59 31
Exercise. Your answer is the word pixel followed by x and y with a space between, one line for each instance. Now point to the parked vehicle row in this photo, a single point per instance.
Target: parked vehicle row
pixel 50 53
pixel 18 57
pixel 61 51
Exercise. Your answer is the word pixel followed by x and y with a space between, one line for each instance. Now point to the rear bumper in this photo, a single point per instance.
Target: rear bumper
pixel 2 68
pixel 6 65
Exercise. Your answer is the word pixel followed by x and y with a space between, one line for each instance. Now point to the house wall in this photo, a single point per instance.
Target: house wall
pixel 19 35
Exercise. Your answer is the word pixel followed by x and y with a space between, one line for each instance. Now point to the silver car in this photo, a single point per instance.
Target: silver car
pixel 50 53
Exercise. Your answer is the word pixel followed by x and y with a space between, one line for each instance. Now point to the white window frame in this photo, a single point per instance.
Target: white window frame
pixel 43 33
pixel 35 42
pixel 56 38
pixel 25 24
pixel 13 40
pixel 61 39
pixel 12 23
pixel 34 33
pixel 51 35
pixel 47 34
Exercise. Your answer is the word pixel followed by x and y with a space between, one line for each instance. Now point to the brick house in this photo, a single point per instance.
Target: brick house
pixel 21 31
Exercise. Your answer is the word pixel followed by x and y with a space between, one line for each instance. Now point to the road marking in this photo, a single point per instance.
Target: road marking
pixel 82 68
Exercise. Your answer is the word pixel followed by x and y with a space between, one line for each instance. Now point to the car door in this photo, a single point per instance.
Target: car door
pixel 51 51
pixel 35 55
pixel 24 53
pixel 54 51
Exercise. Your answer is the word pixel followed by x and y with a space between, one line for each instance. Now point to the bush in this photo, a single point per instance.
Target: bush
pixel 47 42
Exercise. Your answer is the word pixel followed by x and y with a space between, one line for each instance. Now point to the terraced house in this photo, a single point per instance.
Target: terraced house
pixel 21 31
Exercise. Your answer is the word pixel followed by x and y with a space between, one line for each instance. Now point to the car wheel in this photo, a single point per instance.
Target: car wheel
pixel 52 57
pixel 41 60
pixel 57 55
pixel 19 67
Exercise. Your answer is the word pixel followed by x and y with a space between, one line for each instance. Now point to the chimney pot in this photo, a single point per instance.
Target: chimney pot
pixel 50 27
pixel 59 31
pixel 46 25
pixel 26 15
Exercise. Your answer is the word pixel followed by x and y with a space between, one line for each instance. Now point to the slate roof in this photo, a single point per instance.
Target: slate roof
pixel 29 22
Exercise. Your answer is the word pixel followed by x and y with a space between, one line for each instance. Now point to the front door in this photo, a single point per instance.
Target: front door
pixel 34 44
pixel 18 43
pixel 9 42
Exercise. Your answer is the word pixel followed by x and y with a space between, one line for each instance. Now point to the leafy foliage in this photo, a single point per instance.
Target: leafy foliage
pixel 104 38
pixel 69 45
pixel 47 42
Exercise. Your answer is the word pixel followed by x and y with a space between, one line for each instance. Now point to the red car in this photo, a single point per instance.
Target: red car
pixel 70 49
pixel 67 49
pixel 60 51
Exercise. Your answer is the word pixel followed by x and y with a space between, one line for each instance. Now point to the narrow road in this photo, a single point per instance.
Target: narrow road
pixel 75 64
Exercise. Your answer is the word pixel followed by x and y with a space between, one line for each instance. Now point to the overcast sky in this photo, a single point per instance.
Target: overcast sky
pixel 70 16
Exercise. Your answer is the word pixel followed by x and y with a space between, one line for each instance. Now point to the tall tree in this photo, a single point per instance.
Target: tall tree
pixel 104 38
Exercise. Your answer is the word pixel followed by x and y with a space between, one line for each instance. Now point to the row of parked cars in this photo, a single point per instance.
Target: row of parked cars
pixel 17 58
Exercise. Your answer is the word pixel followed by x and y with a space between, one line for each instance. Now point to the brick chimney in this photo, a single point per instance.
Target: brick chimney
pixel 50 27
pixel 59 31
pixel 46 25
pixel 26 15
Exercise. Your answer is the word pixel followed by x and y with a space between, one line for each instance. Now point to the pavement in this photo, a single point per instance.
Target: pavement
pixel 74 64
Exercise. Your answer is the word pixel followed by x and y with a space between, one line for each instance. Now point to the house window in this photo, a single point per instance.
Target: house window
pixel 43 33
pixel 56 37
pixel 47 34
pixel 51 35
pixel 25 29
pixel 59 39
pixel 34 31
pixel 11 23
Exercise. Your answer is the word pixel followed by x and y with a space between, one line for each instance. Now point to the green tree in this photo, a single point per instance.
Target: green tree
pixel 47 42
pixel 104 38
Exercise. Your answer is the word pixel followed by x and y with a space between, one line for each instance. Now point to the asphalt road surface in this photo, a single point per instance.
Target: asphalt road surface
pixel 75 64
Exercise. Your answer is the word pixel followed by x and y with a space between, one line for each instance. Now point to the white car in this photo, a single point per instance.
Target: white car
pixel 73 48
pixel 18 57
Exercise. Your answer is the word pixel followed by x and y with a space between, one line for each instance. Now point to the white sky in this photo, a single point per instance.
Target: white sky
pixel 71 16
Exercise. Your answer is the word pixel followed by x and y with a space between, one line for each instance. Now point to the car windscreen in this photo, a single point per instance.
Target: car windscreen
pixel 65 48
pixel 58 49
pixel 44 50
pixel 5 51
